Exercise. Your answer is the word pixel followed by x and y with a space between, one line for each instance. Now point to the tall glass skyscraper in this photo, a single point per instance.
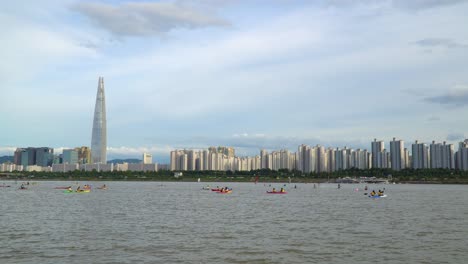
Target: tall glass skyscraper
pixel 99 137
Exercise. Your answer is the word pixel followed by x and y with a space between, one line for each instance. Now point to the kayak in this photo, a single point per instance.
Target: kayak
pixel 230 191
pixel 215 190
pixel 376 196
pixel 277 192
pixel 206 188
pixel 5 186
pixel 82 191
pixel 102 188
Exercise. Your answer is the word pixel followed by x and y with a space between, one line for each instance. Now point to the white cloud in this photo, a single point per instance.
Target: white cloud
pixel 145 18
pixel 125 151
pixel 7 151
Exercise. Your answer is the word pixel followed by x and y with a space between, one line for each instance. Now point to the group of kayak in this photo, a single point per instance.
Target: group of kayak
pixel 274 191
pixel 86 189
pixel 224 190
pixel 378 194
pixel 229 190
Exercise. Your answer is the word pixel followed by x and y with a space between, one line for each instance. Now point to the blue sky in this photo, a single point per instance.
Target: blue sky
pixel 248 74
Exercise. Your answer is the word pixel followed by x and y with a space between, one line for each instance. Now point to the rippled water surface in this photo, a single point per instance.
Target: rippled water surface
pixel 153 222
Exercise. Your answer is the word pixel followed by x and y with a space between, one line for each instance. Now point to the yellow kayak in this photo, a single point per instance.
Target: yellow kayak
pixel 81 191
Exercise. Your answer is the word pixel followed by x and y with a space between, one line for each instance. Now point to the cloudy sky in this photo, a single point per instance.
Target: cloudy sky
pixel 250 74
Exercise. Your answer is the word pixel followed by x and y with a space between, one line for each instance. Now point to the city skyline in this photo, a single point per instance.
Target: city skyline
pixel 231 73
pixel 307 159
pixel 378 148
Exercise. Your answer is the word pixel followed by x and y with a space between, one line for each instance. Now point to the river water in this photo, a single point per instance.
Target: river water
pixel 154 222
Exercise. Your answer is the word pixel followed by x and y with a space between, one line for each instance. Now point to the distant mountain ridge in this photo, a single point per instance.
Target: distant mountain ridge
pixel 4 159
pixel 124 161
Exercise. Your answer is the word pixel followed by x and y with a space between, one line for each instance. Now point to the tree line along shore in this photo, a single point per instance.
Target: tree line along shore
pixel 438 176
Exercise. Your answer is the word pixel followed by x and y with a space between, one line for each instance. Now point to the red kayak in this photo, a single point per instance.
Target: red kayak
pixel 277 192
pixel 225 192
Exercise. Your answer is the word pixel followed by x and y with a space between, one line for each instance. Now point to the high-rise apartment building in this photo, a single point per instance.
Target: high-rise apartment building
pixel 442 155
pixel 420 156
pixel 378 156
pixel 397 154
pixel 228 151
pixel 263 159
pixel 147 158
pixel 99 136
pixel 462 156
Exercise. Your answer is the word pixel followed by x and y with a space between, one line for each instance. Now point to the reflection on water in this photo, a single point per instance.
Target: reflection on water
pixel 154 222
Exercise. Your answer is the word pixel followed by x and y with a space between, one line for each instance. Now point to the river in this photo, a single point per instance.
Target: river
pixel 164 222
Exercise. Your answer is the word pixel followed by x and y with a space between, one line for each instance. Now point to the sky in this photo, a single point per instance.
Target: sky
pixel 259 74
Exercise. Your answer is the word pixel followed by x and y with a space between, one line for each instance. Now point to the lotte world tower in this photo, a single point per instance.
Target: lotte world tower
pixel 99 137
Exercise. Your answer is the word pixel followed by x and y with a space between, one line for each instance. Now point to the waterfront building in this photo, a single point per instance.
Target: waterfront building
pixel 420 156
pixel 121 166
pixel 331 153
pixel 142 167
pixel 25 158
pixel 228 151
pixel 34 156
pixel 57 159
pixel 359 159
pixel 462 156
pixel 84 154
pixel 407 158
pixel 173 160
pixel 321 159
pixel 442 155
pixel 33 168
pixel 147 158
pixel 306 158
pixel 44 156
pixel 378 156
pixel 10 167
pixel 70 156
pixel 339 159
pixel 191 160
pixel 17 159
pixel 97 167
pixel 397 154
pixel 264 159
pixel 99 135
pixel 65 167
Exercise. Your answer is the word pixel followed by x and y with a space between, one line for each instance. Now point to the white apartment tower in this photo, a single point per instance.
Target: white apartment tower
pixel 397 154
pixel 378 156
pixel 420 156
pixel 442 155
pixel 147 158
pixel 462 156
